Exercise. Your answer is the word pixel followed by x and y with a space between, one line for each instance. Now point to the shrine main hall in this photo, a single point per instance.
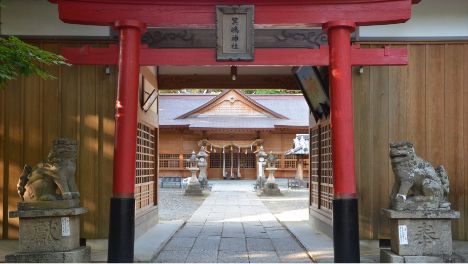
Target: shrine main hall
pixel 232 126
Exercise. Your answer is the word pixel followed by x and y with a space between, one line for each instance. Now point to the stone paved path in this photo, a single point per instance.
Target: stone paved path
pixel 233 226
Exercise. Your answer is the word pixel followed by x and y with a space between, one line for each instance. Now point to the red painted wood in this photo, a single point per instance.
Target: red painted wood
pixel 341 96
pixel 202 13
pixel 266 57
pixel 126 107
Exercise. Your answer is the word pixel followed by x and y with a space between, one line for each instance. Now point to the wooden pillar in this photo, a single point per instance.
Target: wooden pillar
pixel 224 163
pixel 238 163
pixel 232 162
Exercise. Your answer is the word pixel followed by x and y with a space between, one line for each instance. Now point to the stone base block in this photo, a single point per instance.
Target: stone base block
pixel 49 230
pixel 79 255
pixel 271 189
pixel 421 233
pixel 41 205
pixel 387 256
pixel 193 189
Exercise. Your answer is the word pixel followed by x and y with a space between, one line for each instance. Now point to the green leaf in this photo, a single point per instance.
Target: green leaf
pixel 19 59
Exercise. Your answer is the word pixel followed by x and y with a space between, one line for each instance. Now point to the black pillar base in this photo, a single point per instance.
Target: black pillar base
pixel 121 230
pixel 346 230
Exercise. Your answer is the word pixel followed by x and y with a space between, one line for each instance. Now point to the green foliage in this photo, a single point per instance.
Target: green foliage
pixel 21 59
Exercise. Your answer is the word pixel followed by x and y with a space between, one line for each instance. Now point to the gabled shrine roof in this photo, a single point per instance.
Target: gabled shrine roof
pixel 233 110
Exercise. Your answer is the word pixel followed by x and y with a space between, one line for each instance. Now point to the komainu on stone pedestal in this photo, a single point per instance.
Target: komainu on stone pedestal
pixel 420 216
pixel 418 186
pixel 53 179
pixel 49 213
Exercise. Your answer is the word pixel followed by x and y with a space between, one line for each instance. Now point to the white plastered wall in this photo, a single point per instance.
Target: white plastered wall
pixel 430 19
pixel 40 18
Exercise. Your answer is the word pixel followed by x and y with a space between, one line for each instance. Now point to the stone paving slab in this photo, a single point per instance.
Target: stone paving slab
pixel 233 257
pixel 263 257
pixel 207 243
pixel 233 244
pixel 202 256
pixel 180 243
pixel 173 256
pixel 259 244
pixel 294 257
pixel 286 245
pixel 189 231
pixel 211 230
pixel 233 227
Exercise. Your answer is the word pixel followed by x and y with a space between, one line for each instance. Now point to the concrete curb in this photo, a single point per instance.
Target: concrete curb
pixel 318 245
pixel 152 242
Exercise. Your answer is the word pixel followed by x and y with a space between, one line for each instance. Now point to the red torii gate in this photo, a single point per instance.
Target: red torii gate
pixel 337 17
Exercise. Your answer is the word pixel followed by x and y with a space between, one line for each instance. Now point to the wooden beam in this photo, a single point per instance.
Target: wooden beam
pixel 265 57
pixel 206 38
pixel 170 82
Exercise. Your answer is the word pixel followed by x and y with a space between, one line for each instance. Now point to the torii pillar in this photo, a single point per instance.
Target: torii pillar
pixel 345 201
pixel 122 207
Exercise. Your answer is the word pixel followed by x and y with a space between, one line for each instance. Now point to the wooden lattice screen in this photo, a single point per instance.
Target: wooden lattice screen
pixel 314 165
pixel 321 194
pixel 145 188
pixel 169 161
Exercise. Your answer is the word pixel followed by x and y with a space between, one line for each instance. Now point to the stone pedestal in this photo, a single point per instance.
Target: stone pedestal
pixel 49 235
pixel 271 187
pixel 420 236
pixel 193 186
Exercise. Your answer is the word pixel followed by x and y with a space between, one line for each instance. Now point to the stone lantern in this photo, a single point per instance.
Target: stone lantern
pixel 193 186
pixel 202 177
pixel 300 150
pixel 261 156
pixel 271 187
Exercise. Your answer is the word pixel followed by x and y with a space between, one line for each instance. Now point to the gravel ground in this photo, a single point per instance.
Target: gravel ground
pixel 291 199
pixel 174 205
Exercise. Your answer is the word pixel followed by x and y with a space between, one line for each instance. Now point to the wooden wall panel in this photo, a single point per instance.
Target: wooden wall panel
pixel 70 99
pixel 79 104
pixel 379 80
pixel 14 135
pixel 88 147
pixel 106 141
pixel 453 158
pixel 363 148
pixel 416 100
pixel 50 94
pixel 465 137
pixel 426 103
pixel 435 119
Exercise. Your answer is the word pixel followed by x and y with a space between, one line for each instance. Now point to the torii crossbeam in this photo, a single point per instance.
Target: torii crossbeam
pixel 337 17
pixel 263 57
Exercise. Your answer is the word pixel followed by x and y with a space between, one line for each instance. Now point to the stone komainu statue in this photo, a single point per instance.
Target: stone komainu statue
pixel 418 186
pixel 53 179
